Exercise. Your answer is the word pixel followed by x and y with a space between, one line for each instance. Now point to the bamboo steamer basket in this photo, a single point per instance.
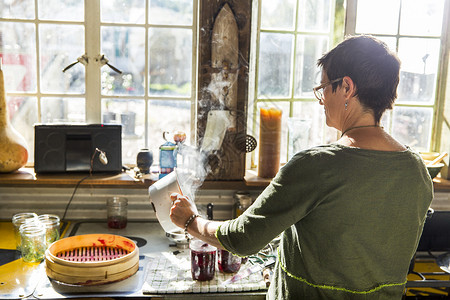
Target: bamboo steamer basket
pixel 92 259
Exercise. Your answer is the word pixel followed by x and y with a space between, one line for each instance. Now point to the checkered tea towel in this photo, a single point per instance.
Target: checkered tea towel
pixel 170 274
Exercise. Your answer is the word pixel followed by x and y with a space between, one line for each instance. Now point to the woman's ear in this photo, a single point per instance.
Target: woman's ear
pixel 348 87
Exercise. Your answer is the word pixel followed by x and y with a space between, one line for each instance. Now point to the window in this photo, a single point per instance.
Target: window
pixel 292 35
pixel 154 44
pixel 151 42
pixel 413 29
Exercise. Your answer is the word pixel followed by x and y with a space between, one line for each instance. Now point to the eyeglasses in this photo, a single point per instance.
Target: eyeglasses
pixel 317 90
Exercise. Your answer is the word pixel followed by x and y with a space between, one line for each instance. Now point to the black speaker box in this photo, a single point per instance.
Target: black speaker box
pixel 71 148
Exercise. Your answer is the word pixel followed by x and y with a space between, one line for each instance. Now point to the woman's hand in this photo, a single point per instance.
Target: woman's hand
pixel 182 209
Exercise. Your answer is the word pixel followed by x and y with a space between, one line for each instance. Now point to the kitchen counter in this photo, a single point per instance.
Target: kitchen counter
pixel 28 280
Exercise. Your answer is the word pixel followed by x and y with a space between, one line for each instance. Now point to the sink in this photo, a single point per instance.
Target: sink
pixel 148 235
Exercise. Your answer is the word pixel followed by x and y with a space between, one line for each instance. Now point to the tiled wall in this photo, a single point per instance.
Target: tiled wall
pixel 90 203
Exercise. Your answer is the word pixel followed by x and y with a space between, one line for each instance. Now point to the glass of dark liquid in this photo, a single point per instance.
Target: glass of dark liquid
pixel 117 212
pixel 203 260
pixel 228 262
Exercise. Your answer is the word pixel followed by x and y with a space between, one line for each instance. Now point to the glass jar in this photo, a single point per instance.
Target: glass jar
pixel 228 262
pixel 203 260
pixel 117 208
pixel 33 242
pixel 51 225
pixel 20 219
pixel 242 201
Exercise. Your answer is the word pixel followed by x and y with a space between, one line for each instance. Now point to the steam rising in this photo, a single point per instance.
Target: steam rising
pixel 192 169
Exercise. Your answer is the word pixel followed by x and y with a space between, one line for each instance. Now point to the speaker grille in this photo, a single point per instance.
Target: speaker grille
pixel 69 148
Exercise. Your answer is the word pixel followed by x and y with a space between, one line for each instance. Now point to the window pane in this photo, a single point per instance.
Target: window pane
pixel 274 67
pixel 307 75
pixel 314 15
pixel 377 16
pixel 278 14
pixel 170 61
pixel 171 12
pixel 412 126
pixel 123 11
pixel 131 114
pixel 168 116
pixel 391 42
pixel 420 59
pixel 22 112
pixel 421 17
pixel 386 120
pixel 299 134
pixel 61 10
pixel 60 45
pixel 17 9
pixel 18 51
pixel 313 112
pixel 63 110
pixel 125 49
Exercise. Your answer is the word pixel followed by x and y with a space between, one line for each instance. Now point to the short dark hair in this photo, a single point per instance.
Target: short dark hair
pixel 371 65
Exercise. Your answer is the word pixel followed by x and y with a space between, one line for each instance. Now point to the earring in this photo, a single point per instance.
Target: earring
pixel 346 104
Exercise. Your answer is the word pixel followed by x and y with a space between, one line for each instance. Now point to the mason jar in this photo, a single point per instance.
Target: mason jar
pixel 51 224
pixel 33 245
pixel 20 219
pixel 117 208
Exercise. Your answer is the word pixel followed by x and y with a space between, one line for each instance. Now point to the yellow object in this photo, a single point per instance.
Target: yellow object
pixel 429 156
pixel 17 276
pixel 427 267
pixel 13 148
pixel 8 240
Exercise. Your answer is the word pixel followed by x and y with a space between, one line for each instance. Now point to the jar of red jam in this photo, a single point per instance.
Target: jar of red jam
pixel 203 260
pixel 228 262
pixel 117 212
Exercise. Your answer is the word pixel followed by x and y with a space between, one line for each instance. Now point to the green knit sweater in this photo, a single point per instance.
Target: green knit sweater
pixel 351 220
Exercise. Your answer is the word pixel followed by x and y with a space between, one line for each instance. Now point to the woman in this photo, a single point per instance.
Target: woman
pixel 351 212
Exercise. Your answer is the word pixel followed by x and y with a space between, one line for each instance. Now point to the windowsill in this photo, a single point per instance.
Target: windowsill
pixel 26 177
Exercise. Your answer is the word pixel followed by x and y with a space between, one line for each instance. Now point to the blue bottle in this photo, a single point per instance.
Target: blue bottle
pixel 167 158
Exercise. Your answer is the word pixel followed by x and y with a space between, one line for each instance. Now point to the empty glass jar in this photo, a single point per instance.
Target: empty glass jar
pixel 18 220
pixel 51 225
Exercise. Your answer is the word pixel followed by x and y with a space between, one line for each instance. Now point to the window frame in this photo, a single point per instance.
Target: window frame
pixel 93 94
pixel 291 99
pixel 93 69
pixel 440 99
